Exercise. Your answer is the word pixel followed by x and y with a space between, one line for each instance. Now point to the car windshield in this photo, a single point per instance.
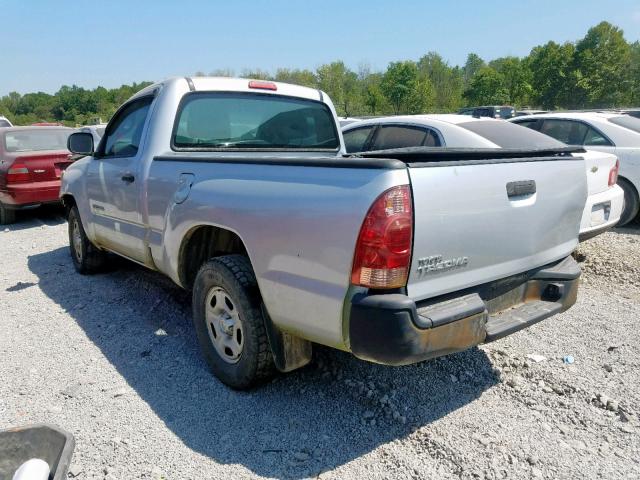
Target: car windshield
pixel 508 135
pixel 36 140
pixel 627 121
pixel 253 121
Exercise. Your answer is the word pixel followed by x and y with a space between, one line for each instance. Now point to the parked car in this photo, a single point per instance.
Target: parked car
pixel 604 203
pixel 528 111
pixel 492 111
pixel 32 160
pixel 96 131
pixel 606 132
pixel 239 191
pixel 4 122
pixel 343 121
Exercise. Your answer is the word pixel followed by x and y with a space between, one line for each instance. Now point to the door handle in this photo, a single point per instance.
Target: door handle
pixel 128 178
pixel 521 188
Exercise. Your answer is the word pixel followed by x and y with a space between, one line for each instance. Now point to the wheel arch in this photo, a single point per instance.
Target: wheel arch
pixel 203 242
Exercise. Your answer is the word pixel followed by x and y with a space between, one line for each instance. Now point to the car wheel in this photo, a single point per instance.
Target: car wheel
pixel 7 215
pixel 229 322
pixel 87 258
pixel 631 203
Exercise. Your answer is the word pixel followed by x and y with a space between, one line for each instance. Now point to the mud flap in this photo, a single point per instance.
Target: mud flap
pixel 289 352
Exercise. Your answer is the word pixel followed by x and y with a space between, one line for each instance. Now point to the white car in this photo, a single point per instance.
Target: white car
pixel 96 131
pixel 4 122
pixel 605 199
pixel 610 132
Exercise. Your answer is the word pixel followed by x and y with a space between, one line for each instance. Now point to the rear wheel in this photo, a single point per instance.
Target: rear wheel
pixel 87 258
pixel 7 215
pixel 229 322
pixel 631 202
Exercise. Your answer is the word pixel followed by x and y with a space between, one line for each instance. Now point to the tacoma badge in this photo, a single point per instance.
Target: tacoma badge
pixel 435 263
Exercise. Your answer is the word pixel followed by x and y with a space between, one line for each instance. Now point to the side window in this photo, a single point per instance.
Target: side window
pixel 399 136
pixel 355 140
pixel 122 137
pixel 595 138
pixel 533 124
pixel 566 131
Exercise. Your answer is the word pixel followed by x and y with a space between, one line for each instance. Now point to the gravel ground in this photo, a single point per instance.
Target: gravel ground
pixel 113 359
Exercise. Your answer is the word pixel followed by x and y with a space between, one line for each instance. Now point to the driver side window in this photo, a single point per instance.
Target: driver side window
pixel 122 138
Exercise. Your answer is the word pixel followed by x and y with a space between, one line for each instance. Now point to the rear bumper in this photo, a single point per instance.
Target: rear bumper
pixel 601 212
pixel 392 329
pixel 26 195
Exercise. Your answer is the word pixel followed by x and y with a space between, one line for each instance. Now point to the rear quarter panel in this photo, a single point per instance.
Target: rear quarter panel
pixel 299 225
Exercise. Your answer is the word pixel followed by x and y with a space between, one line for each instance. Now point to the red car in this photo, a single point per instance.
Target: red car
pixel 32 160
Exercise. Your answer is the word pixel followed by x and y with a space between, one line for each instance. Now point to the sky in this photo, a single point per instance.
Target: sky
pixel 47 44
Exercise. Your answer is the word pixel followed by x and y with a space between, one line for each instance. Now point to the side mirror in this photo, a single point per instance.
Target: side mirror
pixel 80 143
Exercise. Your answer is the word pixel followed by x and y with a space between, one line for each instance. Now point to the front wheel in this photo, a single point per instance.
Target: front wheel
pixel 631 203
pixel 7 215
pixel 87 258
pixel 229 322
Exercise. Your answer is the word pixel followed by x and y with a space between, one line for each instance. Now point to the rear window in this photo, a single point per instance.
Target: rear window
pixel 36 140
pixel 4 123
pixel 627 121
pixel 222 120
pixel 508 135
pixel 399 136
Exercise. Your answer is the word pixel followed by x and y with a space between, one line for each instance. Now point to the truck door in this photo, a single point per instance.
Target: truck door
pixel 113 186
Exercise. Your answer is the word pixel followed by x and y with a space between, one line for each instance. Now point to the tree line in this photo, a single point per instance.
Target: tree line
pixel 601 70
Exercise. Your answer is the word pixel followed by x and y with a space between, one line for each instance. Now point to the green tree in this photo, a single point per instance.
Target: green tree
pixel 551 79
pixel 341 84
pixel 447 82
pixel 487 88
pixel 306 78
pixel 516 79
pixel 634 72
pixel 402 87
pixel 601 65
pixel 473 64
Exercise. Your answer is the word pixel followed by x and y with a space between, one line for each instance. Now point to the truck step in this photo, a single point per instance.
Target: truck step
pixel 509 321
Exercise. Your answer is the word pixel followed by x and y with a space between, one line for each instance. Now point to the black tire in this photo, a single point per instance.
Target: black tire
pixel 7 215
pixel 631 202
pixel 87 258
pixel 233 275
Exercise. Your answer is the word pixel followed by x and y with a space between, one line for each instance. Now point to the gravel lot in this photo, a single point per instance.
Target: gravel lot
pixel 113 359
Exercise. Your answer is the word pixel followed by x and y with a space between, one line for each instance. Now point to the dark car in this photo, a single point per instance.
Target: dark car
pixel 32 160
pixel 492 111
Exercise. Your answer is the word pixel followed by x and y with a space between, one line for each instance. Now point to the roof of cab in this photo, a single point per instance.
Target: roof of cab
pixel 228 84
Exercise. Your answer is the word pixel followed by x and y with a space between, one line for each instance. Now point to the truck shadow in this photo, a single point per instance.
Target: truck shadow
pixel 303 423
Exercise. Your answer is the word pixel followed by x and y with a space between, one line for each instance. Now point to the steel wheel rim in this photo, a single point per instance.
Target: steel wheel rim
pixel 77 239
pixel 223 325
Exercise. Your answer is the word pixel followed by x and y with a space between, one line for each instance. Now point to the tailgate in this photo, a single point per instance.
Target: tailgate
pixel 479 221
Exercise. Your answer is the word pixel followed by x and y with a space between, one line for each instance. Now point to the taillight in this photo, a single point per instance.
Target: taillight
pixel 18 173
pixel 613 174
pixel 262 85
pixel 383 251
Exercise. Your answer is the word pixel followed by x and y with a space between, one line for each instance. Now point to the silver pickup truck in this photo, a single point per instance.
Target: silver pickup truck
pixel 241 192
